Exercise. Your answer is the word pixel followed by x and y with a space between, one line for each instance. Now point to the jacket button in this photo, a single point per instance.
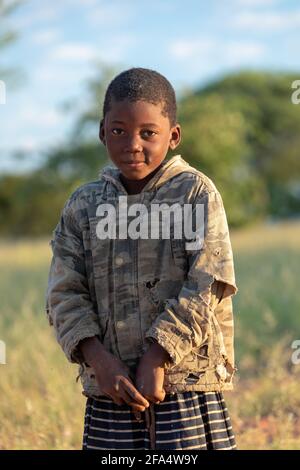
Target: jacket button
pixel 120 324
pixel 119 261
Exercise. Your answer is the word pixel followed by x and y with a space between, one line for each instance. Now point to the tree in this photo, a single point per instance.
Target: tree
pixel 244 131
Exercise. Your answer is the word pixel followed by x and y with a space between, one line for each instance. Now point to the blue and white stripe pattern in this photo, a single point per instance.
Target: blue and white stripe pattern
pixel 183 421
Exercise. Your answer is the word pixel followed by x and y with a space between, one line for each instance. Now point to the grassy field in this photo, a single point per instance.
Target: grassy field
pixel 41 405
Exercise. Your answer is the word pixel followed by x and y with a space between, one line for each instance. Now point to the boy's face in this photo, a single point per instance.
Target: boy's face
pixel 137 137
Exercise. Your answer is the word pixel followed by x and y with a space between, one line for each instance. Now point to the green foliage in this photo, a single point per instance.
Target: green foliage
pixel 215 142
pixel 79 161
pixel 30 205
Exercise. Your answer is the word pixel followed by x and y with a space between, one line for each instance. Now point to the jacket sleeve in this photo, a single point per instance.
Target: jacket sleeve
pixel 185 322
pixel 68 305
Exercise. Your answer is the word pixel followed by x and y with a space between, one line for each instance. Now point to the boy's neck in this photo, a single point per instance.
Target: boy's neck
pixel 136 186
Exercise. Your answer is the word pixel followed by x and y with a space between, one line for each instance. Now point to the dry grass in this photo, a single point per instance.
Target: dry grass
pixel 42 406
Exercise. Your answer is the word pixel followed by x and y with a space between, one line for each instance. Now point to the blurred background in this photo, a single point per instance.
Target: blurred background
pixel 232 65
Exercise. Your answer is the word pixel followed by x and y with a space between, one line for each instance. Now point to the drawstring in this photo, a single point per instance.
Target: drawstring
pixel 150 423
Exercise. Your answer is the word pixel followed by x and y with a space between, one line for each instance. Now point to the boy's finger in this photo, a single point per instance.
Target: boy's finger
pixel 136 395
pixel 135 404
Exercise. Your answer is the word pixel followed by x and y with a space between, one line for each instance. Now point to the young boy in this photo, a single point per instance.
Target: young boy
pixel 148 318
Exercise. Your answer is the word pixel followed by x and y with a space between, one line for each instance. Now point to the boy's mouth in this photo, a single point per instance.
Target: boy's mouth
pixel 134 164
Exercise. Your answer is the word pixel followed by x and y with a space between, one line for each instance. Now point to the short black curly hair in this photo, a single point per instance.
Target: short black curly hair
pixel 137 84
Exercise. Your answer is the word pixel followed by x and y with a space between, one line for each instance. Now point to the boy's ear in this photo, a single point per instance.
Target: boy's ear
pixel 101 132
pixel 175 137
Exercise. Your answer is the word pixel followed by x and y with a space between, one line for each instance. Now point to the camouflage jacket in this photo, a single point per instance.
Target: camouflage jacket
pixel 130 292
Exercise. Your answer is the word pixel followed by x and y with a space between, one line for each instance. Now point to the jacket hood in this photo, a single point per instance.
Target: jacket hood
pixel 170 168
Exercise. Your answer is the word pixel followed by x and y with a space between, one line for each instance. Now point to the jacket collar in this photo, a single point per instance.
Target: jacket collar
pixel 170 168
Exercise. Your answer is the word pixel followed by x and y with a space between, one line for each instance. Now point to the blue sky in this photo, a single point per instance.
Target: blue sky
pixel 190 42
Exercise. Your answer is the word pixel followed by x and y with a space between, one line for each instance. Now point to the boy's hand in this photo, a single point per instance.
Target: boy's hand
pixel 113 380
pixel 112 375
pixel 150 373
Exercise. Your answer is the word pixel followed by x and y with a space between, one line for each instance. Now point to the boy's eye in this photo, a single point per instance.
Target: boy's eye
pixel 149 133
pixel 146 133
pixel 117 131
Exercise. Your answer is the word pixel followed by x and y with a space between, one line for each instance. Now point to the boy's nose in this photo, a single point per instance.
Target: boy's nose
pixel 133 144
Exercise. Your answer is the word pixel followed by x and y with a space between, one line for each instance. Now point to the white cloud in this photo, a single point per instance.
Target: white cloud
pixel 24 143
pixel 28 144
pixel 36 127
pixel 73 52
pixel 187 48
pixel 84 3
pixel 233 52
pixel 255 3
pixel 198 62
pixel 38 13
pixel 112 51
pixel 109 15
pixel 45 37
pixel 34 115
pixel 50 72
pixel 241 52
pixel 115 50
pixel 267 21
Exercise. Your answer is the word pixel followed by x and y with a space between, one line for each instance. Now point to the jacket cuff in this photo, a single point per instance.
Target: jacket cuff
pixel 178 346
pixel 84 329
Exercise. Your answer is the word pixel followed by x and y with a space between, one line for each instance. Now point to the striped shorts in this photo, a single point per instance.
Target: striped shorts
pixel 183 421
